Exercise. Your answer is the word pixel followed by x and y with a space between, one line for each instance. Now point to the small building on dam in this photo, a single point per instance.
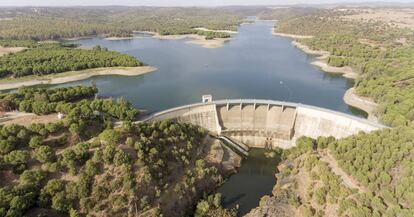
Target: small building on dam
pixel 266 123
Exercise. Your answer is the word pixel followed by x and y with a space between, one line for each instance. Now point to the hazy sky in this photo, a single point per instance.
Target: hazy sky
pixel 170 2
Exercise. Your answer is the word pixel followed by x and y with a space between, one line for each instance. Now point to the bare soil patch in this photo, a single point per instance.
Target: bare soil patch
pixel 25 119
pixel 9 50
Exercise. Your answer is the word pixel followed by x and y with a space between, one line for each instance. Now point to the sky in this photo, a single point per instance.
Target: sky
pixel 172 2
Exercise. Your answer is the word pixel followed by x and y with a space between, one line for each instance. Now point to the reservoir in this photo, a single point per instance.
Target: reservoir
pixel 254 64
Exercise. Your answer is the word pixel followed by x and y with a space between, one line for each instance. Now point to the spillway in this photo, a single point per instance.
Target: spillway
pixel 266 123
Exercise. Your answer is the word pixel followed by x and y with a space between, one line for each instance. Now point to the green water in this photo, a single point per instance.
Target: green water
pixel 255 178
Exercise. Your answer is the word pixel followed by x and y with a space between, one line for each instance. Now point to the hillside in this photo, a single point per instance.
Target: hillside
pixel 82 164
pixel 376 46
pixel 42 23
pixel 362 175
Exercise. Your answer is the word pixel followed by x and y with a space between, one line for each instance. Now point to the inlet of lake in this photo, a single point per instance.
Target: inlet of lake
pixel 254 65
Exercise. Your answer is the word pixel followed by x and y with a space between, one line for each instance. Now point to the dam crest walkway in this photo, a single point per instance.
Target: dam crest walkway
pixel 266 123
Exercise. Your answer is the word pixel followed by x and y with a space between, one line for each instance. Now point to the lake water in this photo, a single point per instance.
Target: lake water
pixel 254 64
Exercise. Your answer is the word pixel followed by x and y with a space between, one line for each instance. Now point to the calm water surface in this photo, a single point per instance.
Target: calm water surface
pixel 254 64
pixel 255 178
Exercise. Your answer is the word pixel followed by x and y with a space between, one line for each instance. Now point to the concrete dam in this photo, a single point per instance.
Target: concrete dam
pixel 266 123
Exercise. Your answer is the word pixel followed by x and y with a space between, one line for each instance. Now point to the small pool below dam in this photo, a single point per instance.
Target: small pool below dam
pixel 255 179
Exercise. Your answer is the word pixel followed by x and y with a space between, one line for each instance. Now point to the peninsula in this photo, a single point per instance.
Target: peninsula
pixel 66 77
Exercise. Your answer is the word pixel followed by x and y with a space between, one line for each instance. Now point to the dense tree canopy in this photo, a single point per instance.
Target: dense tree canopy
pixel 381 163
pixel 83 165
pixel 56 23
pixel 373 49
pixel 55 58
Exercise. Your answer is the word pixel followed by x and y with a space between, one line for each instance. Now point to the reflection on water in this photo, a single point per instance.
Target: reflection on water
pixel 255 178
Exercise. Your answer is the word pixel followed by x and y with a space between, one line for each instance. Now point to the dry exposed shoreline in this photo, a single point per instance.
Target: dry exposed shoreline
pixel 290 35
pixel 350 97
pixel 222 31
pixel 196 39
pixel 71 76
pixel 346 71
pixel 118 38
pixel 366 104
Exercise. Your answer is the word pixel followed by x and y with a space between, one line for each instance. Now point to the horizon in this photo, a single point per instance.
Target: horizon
pixel 186 3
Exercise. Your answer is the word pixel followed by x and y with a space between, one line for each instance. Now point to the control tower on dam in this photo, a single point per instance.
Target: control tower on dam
pixel 266 123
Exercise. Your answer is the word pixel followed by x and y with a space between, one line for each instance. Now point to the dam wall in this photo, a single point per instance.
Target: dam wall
pixel 203 115
pixel 320 122
pixel 267 123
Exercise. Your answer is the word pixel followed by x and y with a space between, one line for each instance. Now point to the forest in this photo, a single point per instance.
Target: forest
pixel 374 50
pixel 380 162
pixel 58 23
pixel 55 58
pixel 84 165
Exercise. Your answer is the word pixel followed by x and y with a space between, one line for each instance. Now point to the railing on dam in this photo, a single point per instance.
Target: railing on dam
pixel 263 102
pixel 266 123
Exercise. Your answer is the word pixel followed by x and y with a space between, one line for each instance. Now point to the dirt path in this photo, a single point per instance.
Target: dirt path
pixel 347 180
pixel 26 119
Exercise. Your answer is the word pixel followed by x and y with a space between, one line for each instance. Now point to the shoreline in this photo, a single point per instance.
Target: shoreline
pixel 350 97
pixel 77 38
pixel 195 39
pixel 118 38
pixel 366 104
pixel 290 35
pixel 71 76
pixel 219 31
pixel 321 53
pixel 345 71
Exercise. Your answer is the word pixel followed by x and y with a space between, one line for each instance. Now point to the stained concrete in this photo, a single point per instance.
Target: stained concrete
pixel 267 123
